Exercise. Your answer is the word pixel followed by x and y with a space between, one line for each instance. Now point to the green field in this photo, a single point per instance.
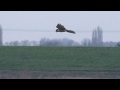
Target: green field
pixel 59 58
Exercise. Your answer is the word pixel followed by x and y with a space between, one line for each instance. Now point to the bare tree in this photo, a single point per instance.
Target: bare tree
pixel 25 43
pixel 100 36
pixel 11 43
pixel 43 42
pixel 16 43
pixel 6 44
pixel 97 37
pixel 86 42
pixel 118 44
pixel 34 43
pixel 1 39
pixel 58 42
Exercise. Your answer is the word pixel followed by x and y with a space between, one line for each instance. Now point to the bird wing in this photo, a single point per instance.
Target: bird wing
pixel 60 27
pixel 70 31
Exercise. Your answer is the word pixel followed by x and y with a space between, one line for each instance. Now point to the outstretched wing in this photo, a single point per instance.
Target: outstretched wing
pixel 60 27
pixel 71 31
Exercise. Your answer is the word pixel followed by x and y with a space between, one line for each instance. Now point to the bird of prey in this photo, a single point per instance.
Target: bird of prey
pixel 61 28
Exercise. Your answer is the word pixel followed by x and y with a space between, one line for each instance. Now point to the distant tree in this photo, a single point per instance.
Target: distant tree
pixel 1 39
pixel 54 42
pixel 97 37
pixel 70 42
pixel 6 44
pixel 110 44
pixel 86 42
pixel 34 43
pixel 16 43
pixel 100 36
pixel 76 44
pixel 94 37
pixel 58 42
pixel 25 43
pixel 11 43
pixel 118 44
pixel 43 42
pixel 67 42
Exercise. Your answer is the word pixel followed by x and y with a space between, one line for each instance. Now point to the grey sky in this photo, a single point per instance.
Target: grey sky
pixel 45 21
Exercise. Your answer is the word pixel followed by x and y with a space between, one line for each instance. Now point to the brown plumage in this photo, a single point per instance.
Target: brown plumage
pixel 61 28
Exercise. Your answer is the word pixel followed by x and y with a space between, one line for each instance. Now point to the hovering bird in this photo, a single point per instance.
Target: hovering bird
pixel 61 28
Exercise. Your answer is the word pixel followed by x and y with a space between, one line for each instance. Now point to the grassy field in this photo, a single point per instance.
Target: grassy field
pixel 59 58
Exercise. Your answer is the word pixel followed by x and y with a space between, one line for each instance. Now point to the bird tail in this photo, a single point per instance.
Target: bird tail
pixel 70 31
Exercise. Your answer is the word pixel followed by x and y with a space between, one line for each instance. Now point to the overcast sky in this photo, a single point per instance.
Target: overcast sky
pixel 34 25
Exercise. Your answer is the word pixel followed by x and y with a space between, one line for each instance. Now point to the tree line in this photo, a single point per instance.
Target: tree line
pixel 44 42
pixel 96 40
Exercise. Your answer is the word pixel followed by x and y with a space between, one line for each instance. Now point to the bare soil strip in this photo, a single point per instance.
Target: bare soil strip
pixel 70 74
